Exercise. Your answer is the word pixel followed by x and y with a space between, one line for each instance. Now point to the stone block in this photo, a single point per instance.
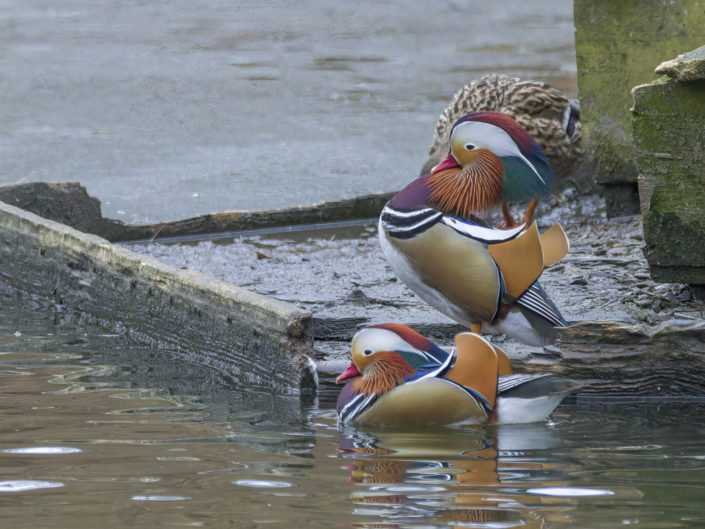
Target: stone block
pixel 669 136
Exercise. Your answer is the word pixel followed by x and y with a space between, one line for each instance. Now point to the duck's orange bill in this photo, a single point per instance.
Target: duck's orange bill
pixel 350 372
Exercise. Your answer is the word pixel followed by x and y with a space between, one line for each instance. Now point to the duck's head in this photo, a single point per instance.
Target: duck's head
pixel 487 149
pixel 383 355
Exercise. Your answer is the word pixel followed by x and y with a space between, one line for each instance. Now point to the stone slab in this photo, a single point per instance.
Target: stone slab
pixel 253 341
pixel 670 154
pixel 628 334
pixel 70 204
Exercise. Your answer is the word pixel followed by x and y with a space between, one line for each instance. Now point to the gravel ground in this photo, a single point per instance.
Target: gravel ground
pixel 341 275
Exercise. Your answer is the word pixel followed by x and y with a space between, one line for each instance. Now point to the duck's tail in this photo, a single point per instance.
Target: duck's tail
pixel 526 398
pixel 541 313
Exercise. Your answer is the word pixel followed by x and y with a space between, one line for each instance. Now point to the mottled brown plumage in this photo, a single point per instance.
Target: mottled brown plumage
pixel 535 105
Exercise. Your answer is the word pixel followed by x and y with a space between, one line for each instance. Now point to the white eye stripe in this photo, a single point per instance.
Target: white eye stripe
pixel 486 136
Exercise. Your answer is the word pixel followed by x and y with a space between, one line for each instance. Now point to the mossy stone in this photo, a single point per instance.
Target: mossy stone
pixel 618 44
pixel 669 138
pixel 686 67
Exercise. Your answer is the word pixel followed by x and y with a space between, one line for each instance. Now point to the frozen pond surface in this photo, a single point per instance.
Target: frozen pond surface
pixel 98 432
pixel 171 110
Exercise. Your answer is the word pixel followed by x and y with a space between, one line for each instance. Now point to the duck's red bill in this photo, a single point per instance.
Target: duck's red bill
pixel 448 163
pixel 350 372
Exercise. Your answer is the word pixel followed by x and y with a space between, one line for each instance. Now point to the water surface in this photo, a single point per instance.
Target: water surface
pixel 97 431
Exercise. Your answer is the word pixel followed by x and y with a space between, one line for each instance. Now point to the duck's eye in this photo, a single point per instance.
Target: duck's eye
pixel 469 146
pixel 367 352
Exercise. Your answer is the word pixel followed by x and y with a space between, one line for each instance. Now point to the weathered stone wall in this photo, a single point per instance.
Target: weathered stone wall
pixel 255 342
pixel 669 134
pixel 618 44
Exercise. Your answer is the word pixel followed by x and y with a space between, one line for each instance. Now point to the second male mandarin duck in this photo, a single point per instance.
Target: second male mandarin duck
pixel 400 379
pixel 474 274
pixel 492 161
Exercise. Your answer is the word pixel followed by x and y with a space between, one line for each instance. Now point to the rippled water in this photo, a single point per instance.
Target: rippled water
pixel 166 110
pixel 99 432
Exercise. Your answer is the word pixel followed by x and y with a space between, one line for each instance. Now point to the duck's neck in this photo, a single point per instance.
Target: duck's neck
pixel 386 371
pixel 469 190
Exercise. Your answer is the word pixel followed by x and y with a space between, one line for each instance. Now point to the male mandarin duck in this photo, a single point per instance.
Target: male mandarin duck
pixel 400 379
pixel 548 116
pixel 474 274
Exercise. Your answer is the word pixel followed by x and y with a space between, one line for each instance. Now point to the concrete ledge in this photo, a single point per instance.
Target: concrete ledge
pixel 253 341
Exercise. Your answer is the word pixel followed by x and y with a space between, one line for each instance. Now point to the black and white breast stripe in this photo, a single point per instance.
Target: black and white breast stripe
pixel 407 224
pixel 355 407
pixel 481 233
pixel 535 300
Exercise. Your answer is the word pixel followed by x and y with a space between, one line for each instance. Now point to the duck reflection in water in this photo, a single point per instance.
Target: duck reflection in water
pixel 477 475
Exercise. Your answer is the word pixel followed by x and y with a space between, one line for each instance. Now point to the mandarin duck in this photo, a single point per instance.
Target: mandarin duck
pixel 400 379
pixel 470 272
pixel 548 116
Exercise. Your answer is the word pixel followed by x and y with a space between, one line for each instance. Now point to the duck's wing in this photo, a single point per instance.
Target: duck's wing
pixel 525 398
pixel 555 244
pixel 520 259
pixel 476 366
